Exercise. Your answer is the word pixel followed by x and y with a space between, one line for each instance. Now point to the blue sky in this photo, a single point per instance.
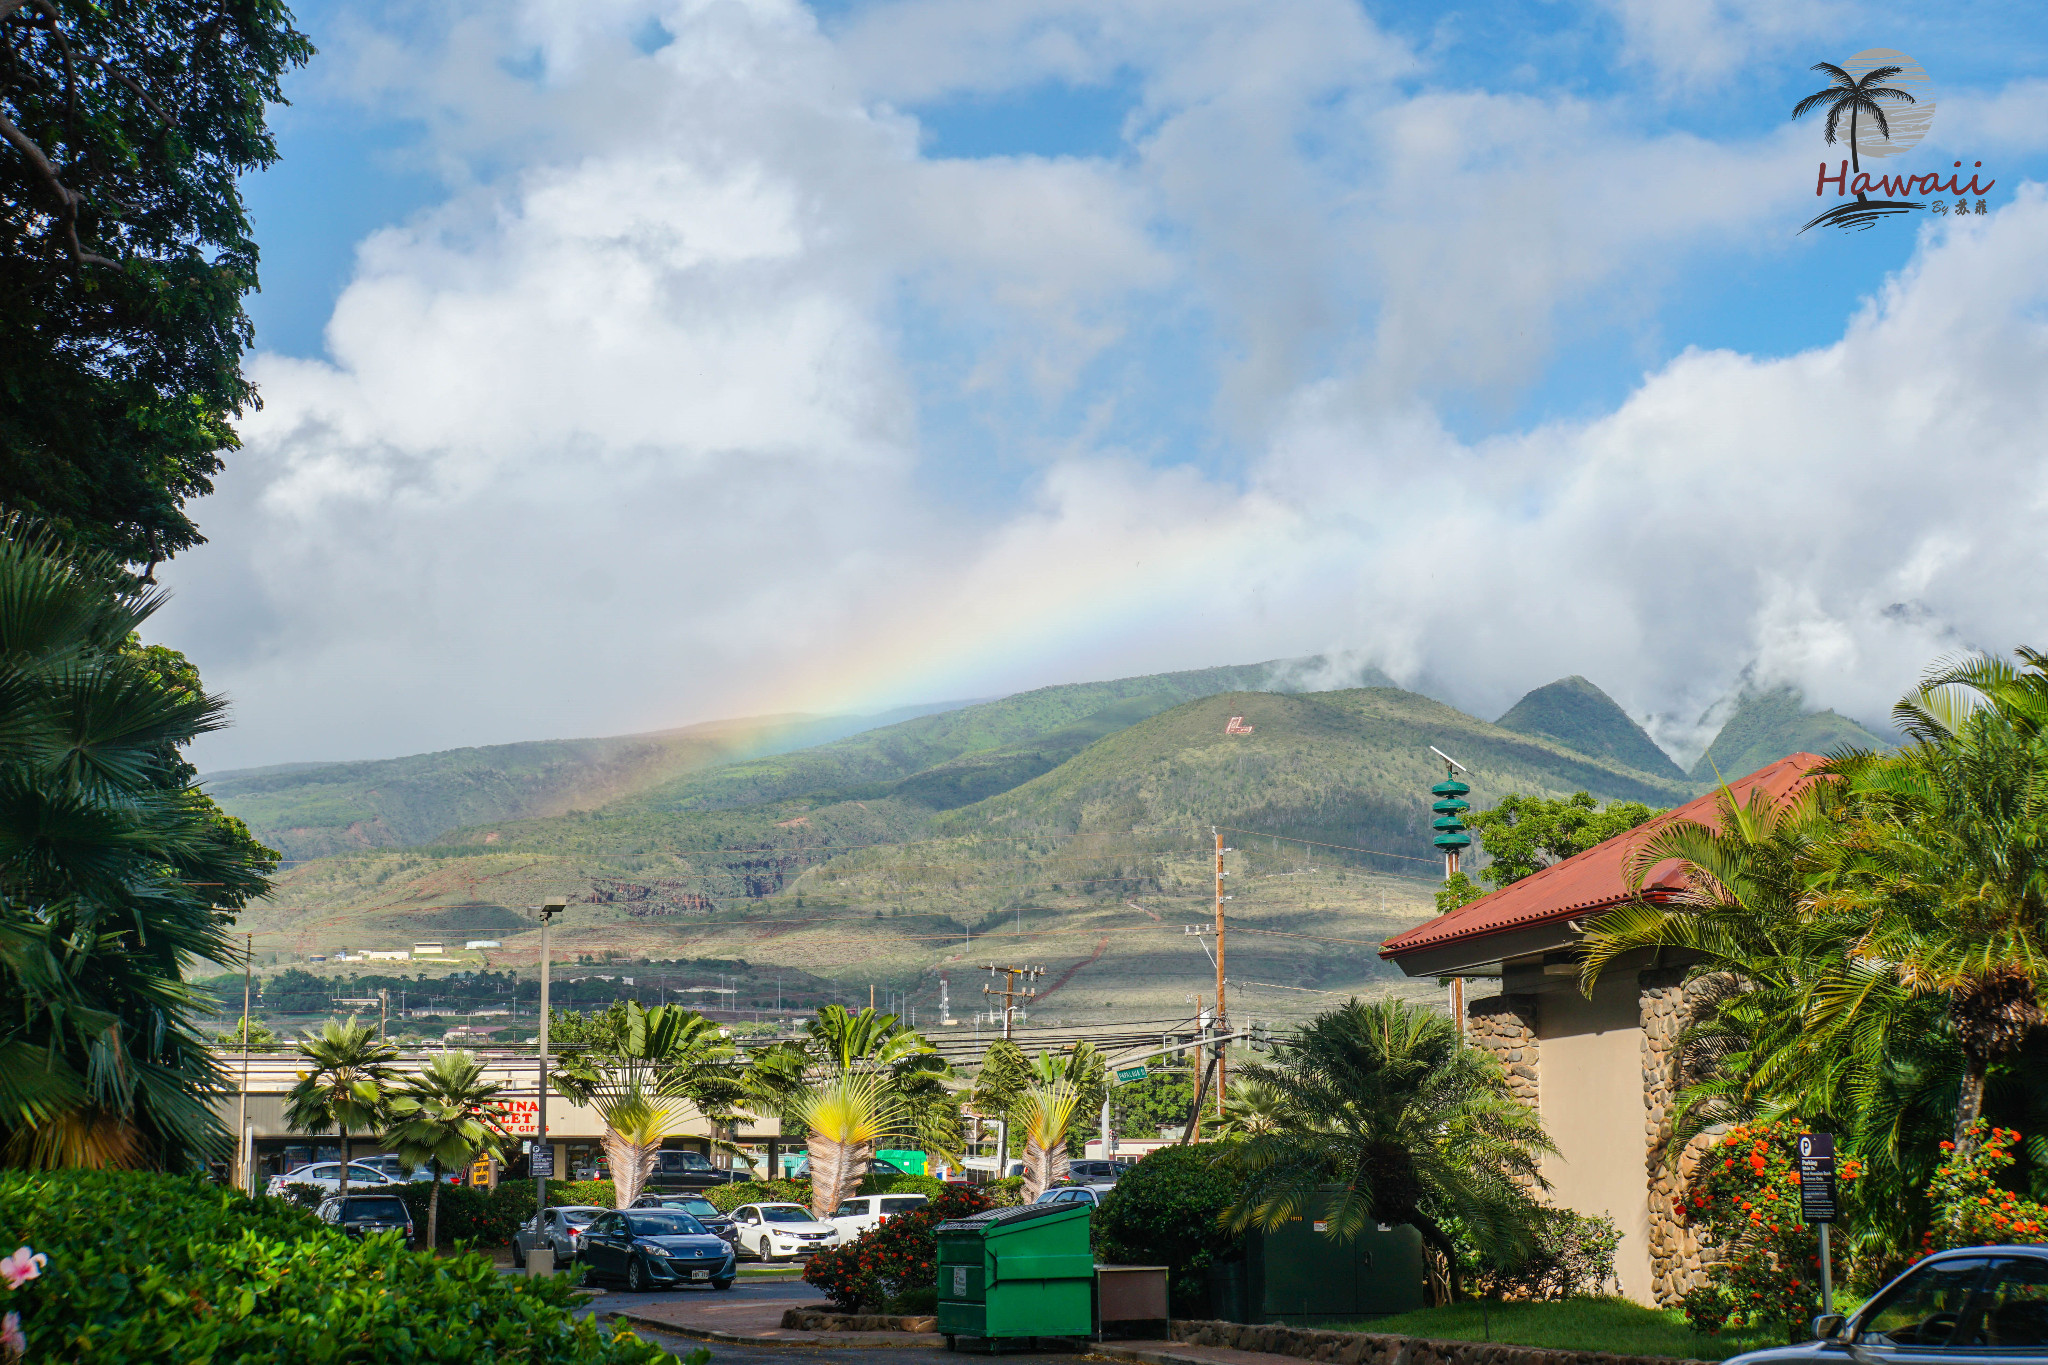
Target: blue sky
pixel 1256 288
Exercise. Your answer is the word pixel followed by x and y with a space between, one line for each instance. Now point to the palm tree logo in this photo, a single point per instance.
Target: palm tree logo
pixel 1883 119
pixel 1857 97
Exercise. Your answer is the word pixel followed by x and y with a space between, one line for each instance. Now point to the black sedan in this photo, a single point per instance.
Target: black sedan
pixel 361 1214
pixel 699 1208
pixel 651 1247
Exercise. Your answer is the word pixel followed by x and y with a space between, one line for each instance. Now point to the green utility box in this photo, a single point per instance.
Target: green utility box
pixel 1017 1273
pixel 1297 1275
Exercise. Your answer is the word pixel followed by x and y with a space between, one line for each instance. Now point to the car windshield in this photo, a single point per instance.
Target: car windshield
pixel 785 1213
pixel 665 1223
pixel 701 1208
pixel 576 1218
pixel 385 1210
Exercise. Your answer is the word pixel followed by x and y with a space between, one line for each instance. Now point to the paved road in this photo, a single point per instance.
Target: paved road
pixel 791 1293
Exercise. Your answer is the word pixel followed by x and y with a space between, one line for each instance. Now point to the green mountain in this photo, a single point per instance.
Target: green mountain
pixel 311 810
pixel 1349 767
pixel 1014 739
pixel 1766 726
pixel 1580 716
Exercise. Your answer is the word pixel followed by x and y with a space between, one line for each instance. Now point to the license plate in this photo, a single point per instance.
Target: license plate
pixel 700 1274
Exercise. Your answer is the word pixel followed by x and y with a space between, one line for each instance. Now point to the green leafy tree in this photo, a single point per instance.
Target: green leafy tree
pixel 444 1118
pixel 1160 1101
pixel 348 1084
pixel 1405 1122
pixel 260 1037
pixel 856 1081
pixel 115 873
pixel 127 253
pixel 1525 834
pixel 1252 1108
pixel 640 1068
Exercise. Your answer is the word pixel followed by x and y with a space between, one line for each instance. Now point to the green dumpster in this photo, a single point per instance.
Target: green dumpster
pixel 1017 1273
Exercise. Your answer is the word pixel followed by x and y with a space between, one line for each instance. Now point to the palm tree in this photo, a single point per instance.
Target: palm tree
pixel 1951 835
pixel 444 1118
pixel 1042 1113
pixel 641 1069
pixel 1408 1124
pixel 1251 1109
pixel 347 1084
pixel 852 1081
pixel 1845 93
pixel 114 870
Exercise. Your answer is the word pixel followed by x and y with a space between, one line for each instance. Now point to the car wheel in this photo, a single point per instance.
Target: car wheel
pixel 636 1276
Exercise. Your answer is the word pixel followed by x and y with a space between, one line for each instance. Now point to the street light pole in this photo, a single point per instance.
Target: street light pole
pixel 242 1153
pixel 540 1127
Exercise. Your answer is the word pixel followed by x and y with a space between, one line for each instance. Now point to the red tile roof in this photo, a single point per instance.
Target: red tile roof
pixel 1594 880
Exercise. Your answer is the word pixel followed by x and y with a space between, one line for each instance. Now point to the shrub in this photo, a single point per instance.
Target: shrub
pixel 1744 1201
pixel 1168 1210
pixel 726 1198
pixel 1970 1207
pixel 1007 1192
pixel 564 1194
pixel 471 1214
pixel 928 1185
pixel 1572 1255
pixel 894 1258
pixel 144 1267
pixel 304 1196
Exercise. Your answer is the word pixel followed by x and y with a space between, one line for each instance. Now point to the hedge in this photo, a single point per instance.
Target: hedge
pixel 726 1198
pixel 929 1186
pixel 895 1260
pixel 1167 1210
pixel 146 1267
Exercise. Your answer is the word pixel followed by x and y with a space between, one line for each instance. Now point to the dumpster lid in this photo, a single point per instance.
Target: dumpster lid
pixel 995 1218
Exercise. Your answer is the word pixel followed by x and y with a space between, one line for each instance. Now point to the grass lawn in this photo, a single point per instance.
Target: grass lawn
pixel 1592 1324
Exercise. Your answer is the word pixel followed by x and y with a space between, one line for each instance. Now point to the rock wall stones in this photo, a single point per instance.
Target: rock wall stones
pixel 1505 1025
pixel 1677 1262
pixel 1371 1348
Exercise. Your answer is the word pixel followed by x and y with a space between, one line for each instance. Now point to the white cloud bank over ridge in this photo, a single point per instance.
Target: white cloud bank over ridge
pixel 633 434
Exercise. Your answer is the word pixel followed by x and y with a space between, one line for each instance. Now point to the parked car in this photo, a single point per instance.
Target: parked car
pixel 1095 1171
pixel 560 1228
pixel 686 1170
pixel 1091 1195
pixel 702 1209
pixel 358 1215
pixel 863 1211
pixel 1971 1306
pixel 326 1175
pixel 776 1232
pixel 650 1247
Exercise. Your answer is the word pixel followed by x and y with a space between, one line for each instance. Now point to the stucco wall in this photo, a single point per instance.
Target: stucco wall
pixel 1592 1103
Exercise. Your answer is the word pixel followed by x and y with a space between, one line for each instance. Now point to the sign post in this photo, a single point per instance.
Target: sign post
pixel 1817 1201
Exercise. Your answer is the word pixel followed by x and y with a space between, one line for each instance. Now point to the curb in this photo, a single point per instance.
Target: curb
pixel 884 1339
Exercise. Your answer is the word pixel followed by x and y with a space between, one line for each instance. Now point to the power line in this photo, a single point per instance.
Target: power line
pixel 1351 848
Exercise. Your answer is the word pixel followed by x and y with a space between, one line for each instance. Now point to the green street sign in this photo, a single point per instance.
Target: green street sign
pixel 1130 1073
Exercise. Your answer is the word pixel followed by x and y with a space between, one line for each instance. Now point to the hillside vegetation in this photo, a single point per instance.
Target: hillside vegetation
pixel 311 810
pixel 1766 726
pixel 1580 716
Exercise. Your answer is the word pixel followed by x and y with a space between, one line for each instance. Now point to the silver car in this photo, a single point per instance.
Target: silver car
pixel 1091 1195
pixel 561 1229
pixel 1973 1306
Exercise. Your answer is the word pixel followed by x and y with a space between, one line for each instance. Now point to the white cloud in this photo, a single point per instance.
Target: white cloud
pixel 630 431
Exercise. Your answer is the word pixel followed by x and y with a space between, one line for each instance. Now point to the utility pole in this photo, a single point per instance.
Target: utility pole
pixel 242 1153
pixel 1221 1007
pixel 543 1165
pixel 1010 993
pixel 1193 1132
pixel 383 1010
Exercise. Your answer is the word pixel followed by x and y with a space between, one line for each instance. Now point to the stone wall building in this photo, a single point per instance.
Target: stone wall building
pixel 1602 1070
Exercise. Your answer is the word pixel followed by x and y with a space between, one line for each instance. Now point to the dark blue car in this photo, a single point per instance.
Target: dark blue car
pixel 646 1248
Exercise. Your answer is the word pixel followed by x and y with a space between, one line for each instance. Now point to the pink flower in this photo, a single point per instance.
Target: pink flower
pixel 24 1265
pixel 11 1336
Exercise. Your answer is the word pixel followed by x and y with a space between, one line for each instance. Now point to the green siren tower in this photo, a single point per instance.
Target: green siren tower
pixel 1449 805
